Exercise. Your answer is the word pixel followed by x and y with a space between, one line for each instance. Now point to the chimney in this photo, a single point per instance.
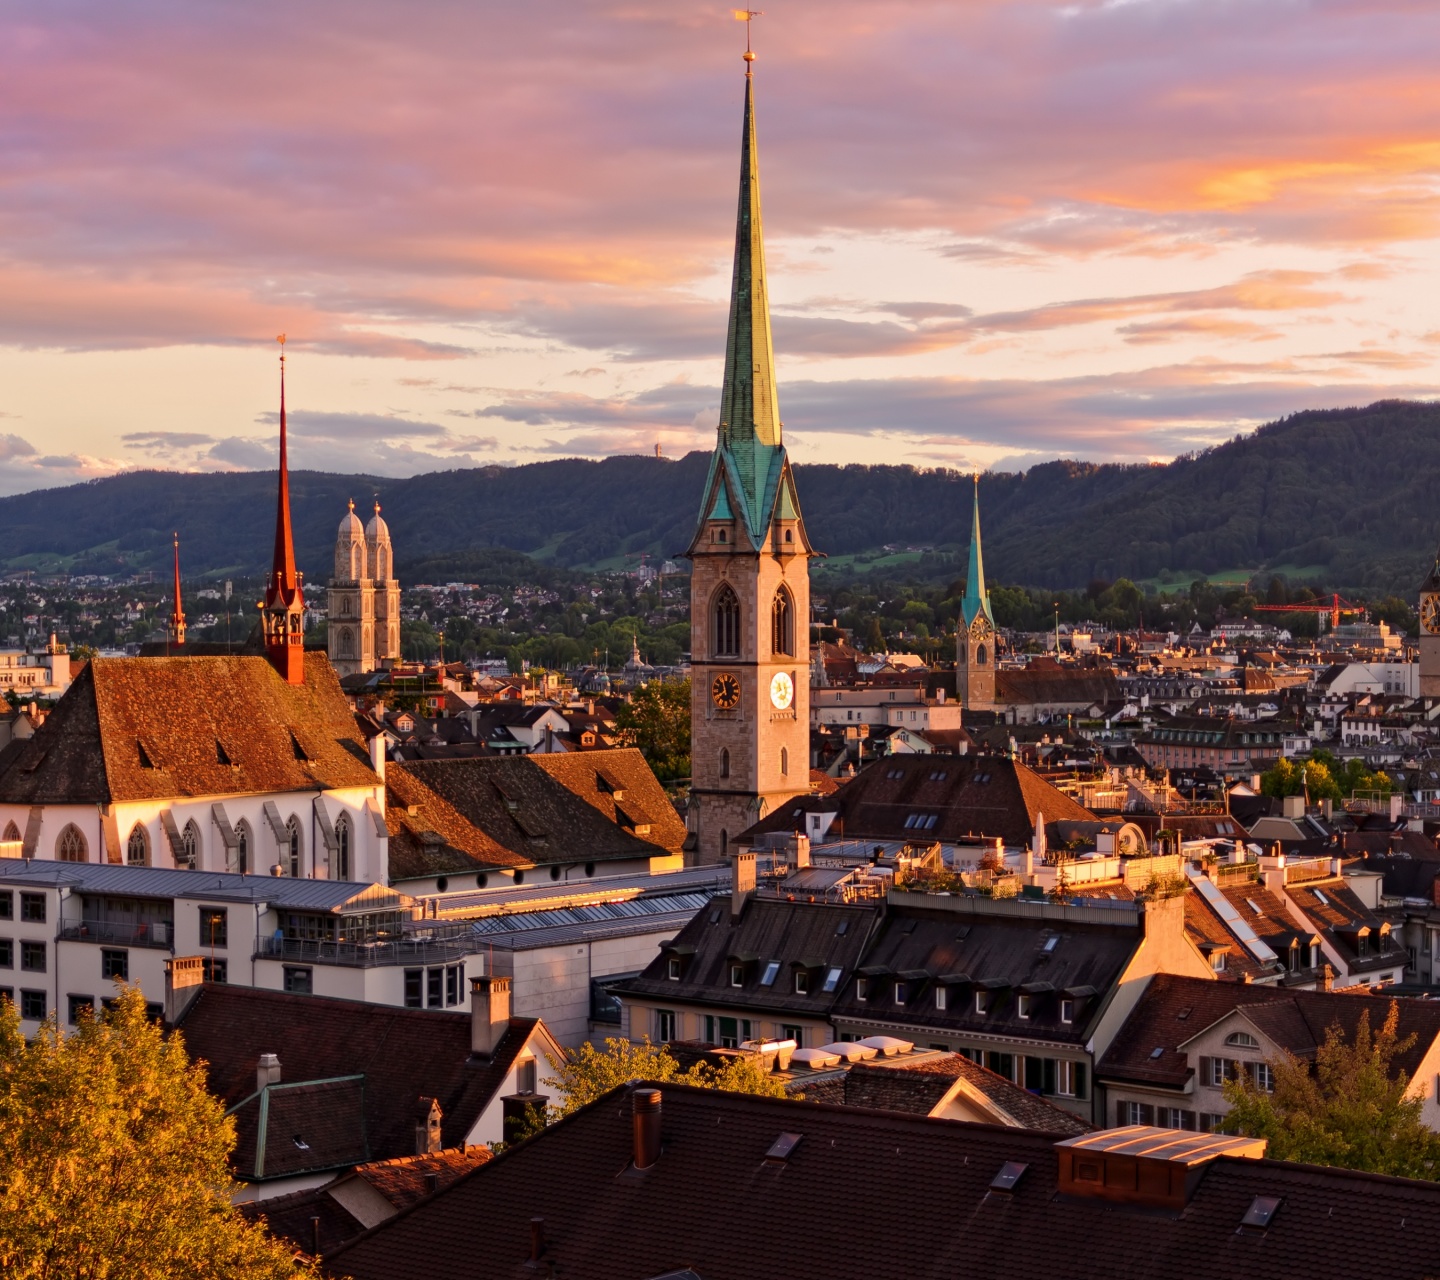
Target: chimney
pixel 427 1126
pixel 267 1071
pixel 537 1240
pixel 742 881
pixel 645 1110
pixel 1293 807
pixel 1327 982
pixel 1164 918
pixel 1327 807
pixel 489 1013
pixel 183 976
pixel 798 850
pixel 432 1183
pixel 377 755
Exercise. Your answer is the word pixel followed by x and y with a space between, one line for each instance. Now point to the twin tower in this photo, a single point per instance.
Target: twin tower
pixel 364 598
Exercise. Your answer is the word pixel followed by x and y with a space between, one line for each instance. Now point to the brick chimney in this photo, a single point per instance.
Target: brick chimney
pixel 183 976
pixel 742 882
pixel 267 1071
pixel 489 1013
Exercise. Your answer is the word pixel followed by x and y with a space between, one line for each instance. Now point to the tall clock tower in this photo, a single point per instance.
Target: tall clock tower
pixel 750 579
pixel 1430 633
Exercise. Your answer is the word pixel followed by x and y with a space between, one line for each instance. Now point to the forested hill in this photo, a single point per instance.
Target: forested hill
pixel 1347 495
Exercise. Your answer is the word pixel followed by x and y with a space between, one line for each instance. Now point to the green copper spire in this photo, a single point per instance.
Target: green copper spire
pixel 749 413
pixel 976 599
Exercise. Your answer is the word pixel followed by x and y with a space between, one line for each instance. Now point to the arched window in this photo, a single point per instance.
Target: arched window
pixel 724 762
pixel 724 843
pixel 345 606
pixel 782 623
pixel 979 655
pixel 293 848
pixel 960 652
pixel 137 847
pixel 244 841
pixel 190 845
pixel 1242 1040
pixel 12 832
pixel 70 847
pixel 727 623
pixel 784 761
pixel 347 643
pixel 342 848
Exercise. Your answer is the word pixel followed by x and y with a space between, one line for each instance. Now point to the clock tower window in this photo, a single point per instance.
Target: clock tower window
pixel 724 762
pixel 782 624
pixel 784 761
pixel 727 623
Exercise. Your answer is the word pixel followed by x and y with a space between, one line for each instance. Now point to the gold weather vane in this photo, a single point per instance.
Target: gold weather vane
pixel 747 16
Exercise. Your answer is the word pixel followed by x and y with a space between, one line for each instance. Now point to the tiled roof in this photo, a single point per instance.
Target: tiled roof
pixel 288 1129
pixel 1174 1010
pixel 1048 683
pixel 1337 915
pixel 436 838
pixel 402 1181
pixel 872 1196
pixel 157 728
pixel 1202 925
pixel 401 1053
pixel 967 796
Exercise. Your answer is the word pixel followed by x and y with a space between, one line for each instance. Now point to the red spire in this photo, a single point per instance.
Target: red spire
pixel 284 605
pixel 177 616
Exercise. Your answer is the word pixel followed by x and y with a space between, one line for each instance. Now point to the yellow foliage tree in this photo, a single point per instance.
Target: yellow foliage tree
pixel 113 1159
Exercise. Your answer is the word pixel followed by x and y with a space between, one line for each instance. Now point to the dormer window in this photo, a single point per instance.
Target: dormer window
pixel 1067 1011
pixel 672 968
pixel 1242 1040
pixel 940 994
pixel 722 535
pixel 737 975
pixel 862 989
pixel 900 993
pixel 982 1002
pixel 1023 1006
pixel 802 982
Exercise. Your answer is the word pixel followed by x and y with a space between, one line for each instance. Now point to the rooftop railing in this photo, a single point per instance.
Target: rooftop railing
pixel 368 955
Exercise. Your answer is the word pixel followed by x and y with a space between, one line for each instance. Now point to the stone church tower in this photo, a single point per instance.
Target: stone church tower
pixel 364 598
pixel 1430 632
pixel 975 635
pixel 750 583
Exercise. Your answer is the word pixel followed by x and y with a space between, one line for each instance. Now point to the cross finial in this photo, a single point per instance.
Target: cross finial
pixel 747 16
pixel 352 506
pixel 280 338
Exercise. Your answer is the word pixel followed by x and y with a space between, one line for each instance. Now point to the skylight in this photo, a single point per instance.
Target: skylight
pixel 1254 906
pixel 767 979
pixel 832 980
pixel 1052 942
pixel 1321 898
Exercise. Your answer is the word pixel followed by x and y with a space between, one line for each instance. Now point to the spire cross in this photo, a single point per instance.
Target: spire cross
pixel 747 16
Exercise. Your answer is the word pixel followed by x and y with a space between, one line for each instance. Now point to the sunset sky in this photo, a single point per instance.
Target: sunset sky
pixel 997 232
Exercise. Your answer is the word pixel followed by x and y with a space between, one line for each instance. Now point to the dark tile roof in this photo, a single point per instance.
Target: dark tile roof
pixel 435 839
pixel 1337 915
pixel 818 936
pixel 288 1129
pixel 1406 877
pixel 401 1053
pixel 402 1181
pixel 139 730
pixel 1174 1010
pixel 1207 930
pixel 1048 682
pixel 874 1196
pixel 977 796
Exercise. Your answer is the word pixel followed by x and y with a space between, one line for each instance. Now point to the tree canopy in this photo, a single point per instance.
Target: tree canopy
pixel 657 720
pixel 1352 1109
pixel 113 1159
pixel 1323 777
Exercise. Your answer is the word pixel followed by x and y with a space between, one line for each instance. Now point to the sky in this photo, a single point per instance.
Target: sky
pixel 999 231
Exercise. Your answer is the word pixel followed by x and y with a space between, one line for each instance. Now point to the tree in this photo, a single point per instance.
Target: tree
pixel 113 1158
pixel 1351 1110
pixel 657 720
pixel 587 1073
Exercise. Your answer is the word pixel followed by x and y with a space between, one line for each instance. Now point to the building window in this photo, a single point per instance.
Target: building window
pixel 1217 961
pixel 900 993
pixel 213 926
pixel 342 848
pixel 242 847
pixel 1022 1006
pixel 832 981
pixel 1070 1078
pixel 190 846
pixel 434 988
pixel 81 1007
pixel 452 985
pixel 525 1076
pixel 70 847
pixel 115 965
pixel 293 847
pixel 940 998
pixel 737 975
pixel 784 762
pixel 32 956
pixel 1002 1064
pixel 214 970
pixel 727 623
pixel 7 904
pixel 12 832
pixel 137 847
pixel 1263 1076
pixel 7 954
pixel 665 1025
pixel 772 970
pixel 1067 1011
pixel 672 968
pixel 724 762
pixel 299 980
pixel 1242 1040
pixel 32 907
pixel 33 1004
pixel 1134 1113
pixel 982 1002
pixel 802 982
pixel 782 624
pixel 862 989
pixel 414 988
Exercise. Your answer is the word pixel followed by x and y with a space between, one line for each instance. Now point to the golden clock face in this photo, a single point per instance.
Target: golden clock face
pixel 782 691
pixel 725 691
pixel 1430 615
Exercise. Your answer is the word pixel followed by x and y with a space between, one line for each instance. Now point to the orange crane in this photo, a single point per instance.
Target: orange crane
pixel 1335 608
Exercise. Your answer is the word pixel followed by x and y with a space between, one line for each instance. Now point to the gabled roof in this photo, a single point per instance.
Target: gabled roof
pixel 873 1195
pixel 157 728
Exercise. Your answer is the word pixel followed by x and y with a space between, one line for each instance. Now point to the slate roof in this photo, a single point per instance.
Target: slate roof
pixel 400 1053
pixel 968 796
pixel 1174 1010
pixel 157 728
pixel 289 1129
pixel 817 936
pixel 436 838
pixel 1338 916
pixel 874 1196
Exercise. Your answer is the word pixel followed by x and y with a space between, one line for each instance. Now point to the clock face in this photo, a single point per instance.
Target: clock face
pixel 725 691
pixel 782 691
pixel 1430 615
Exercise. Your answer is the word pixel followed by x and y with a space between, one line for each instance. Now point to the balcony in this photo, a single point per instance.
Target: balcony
pixel 120 933
pixel 369 955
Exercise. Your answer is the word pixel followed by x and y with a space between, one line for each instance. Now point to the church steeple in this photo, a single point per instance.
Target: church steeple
pixel 176 629
pixel 284 604
pixel 976 600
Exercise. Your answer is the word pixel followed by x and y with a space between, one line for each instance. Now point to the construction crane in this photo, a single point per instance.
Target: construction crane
pixel 1335 608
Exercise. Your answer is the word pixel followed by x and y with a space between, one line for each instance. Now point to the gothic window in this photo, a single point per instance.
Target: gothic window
pixel 724 843
pixel 137 847
pixel 345 605
pixel 727 624
pixel 782 623
pixel 292 846
pixel 347 643
pixel 979 655
pixel 784 761
pixel 243 843
pixel 960 653
pixel 190 846
pixel 70 847
pixel 342 848
pixel 12 832
pixel 724 762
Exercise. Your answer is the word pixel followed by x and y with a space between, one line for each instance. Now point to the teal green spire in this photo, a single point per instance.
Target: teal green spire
pixel 976 600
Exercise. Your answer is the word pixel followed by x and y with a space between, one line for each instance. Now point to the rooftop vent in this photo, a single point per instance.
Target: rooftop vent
pixel 1009 1176
pixel 1143 1165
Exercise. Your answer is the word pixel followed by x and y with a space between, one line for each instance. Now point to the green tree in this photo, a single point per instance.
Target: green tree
pixel 586 1073
pixel 113 1159
pixel 1294 777
pixel 1351 1110
pixel 657 720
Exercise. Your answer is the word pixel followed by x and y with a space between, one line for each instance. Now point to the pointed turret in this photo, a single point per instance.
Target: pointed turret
pixel 284 604
pixel 176 629
pixel 976 600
